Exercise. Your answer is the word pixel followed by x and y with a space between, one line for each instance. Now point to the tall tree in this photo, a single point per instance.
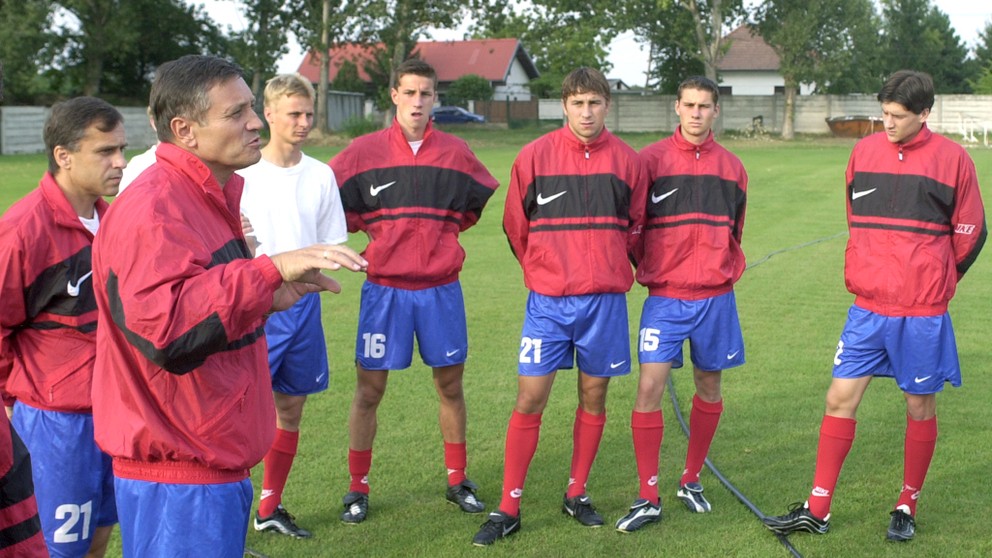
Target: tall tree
pixel 91 45
pixel 259 45
pixel 981 83
pixel 560 35
pixel 319 25
pixel 811 40
pixel 23 39
pixel 918 36
pixel 710 18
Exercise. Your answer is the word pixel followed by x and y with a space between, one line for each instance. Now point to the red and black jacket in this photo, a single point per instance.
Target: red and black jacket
pixel 412 206
pixel 569 213
pixel 690 245
pixel 916 220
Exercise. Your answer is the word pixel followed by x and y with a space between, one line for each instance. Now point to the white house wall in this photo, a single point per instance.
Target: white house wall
pixel 516 88
pixel 756 82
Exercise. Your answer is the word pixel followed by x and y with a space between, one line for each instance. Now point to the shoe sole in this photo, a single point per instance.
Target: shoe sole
pixel 279 529
pixel 454 503
pixel 641 525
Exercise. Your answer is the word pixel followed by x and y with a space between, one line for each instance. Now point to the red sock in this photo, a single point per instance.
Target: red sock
pixel 921 439
pixel 648 430
pixel 521 443
pixel 278 461
pixel 454 461
pixel 359 463
pixel 836 439
pixel 703 420
pixel 587 431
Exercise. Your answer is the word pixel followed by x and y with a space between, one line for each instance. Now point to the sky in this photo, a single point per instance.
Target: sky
pixel 629 59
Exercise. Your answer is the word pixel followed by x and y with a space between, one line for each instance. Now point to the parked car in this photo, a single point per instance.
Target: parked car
pixel 455 115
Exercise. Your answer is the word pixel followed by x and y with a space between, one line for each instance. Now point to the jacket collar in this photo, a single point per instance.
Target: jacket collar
pixel 569 139
pixel 65 215
pixel 686 145
pixel 396 132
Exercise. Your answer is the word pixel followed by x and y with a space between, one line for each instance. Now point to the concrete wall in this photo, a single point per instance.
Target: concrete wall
pixel 21 127
pixel 966 115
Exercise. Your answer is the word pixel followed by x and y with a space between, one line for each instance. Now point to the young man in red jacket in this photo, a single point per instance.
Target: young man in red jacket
pixel 569 215
pixel 917 223
pixel 412 189
pixel 689 257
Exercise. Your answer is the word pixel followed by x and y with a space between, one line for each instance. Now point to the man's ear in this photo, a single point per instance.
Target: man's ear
pixel 63 157
pixel 184 131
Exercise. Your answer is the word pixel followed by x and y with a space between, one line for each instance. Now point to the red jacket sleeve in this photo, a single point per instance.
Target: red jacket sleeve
pixel 968 219
pixel 515 223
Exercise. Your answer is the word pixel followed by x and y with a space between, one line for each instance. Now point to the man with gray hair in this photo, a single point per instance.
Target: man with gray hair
pixel 182 398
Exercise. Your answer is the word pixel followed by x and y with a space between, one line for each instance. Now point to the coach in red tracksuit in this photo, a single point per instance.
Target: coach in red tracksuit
pixel 917 224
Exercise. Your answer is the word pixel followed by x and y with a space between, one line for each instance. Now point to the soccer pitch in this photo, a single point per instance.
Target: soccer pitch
pixel 792 303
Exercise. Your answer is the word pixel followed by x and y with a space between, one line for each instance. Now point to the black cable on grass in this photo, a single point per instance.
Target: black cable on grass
pixel 685 427
pixel 723 480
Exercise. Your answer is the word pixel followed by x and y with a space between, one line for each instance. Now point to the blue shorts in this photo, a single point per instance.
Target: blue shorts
pixel 73 480
pixel 557 327
pixel 389 318
pixel 919 352
pixel 711 326
pixel 297 350
pixel 183 520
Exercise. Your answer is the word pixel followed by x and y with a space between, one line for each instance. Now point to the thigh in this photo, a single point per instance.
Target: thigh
pixel 716 342
pixel 439 320
pixel 385 328
pixel 603 335
pixel 924 353
pixel 71 477
pixel 861 350
pixel 214 519
pixel 546 340
pixel 303 369
pixel 665 325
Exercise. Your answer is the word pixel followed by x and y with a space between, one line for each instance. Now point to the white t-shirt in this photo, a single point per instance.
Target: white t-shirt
pixel 136 166
pixel 295 207
pixel 91 225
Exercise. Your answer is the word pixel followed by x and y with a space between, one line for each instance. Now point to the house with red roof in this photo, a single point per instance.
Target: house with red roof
pixel 503 62
pixel 750 66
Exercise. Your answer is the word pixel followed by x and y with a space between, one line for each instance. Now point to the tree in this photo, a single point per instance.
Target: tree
pixel 812 40
pixel 918 36
pixel 259 45
pixel 23 40
pixel 469 87
pixel 981 84
pixel 347 78
pixel 559 35
pixel 319 25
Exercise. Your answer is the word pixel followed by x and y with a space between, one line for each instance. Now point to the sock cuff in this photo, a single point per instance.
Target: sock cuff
pixel 705 406
pixel 526 421
pixel 286 442
pixel 653 419
pixel 921 430
pixel 838 427
pixel 589 418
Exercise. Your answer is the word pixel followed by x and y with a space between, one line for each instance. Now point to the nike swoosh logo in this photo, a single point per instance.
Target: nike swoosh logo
pixel 856 195
pixel 374 190
pixel 541 200
pixel 451 353
pixel 730 356
pixel 321 377
pixel 615 365
pixel 72 289
pixel 920 380
pixel 656 199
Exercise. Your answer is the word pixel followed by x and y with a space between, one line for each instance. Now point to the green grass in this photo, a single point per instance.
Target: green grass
pixel 792 307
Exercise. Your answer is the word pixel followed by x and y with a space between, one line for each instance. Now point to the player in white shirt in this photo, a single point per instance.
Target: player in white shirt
pixel 292 201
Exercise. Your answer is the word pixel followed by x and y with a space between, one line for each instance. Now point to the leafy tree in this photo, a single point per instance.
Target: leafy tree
pixel 560 35
pixel 813 41
pixel 347 78
pixel 981 84
pixel 23 39
pixel 919 36
pixel 983 49
pixel 319 25
pixel 257 48
pixel 469 87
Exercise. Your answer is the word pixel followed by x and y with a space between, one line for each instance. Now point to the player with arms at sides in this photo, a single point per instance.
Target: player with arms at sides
pixel 412 189
pixel 689 257
pixel 916 223
pixel 182 396
pixel 48 318
pixel 569 218
pixel 291 201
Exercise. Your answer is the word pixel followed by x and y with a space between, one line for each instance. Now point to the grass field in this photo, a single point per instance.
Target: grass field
pixel 792 305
